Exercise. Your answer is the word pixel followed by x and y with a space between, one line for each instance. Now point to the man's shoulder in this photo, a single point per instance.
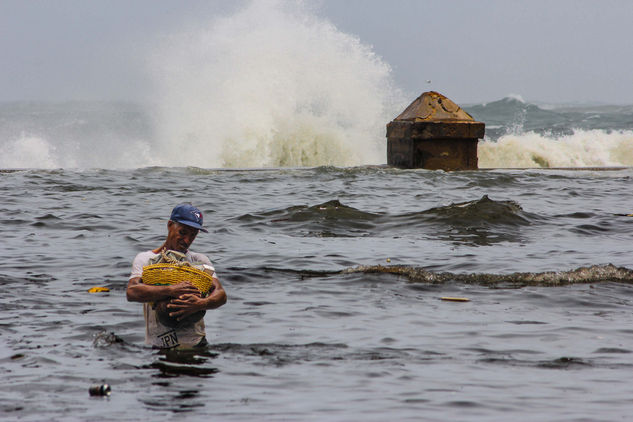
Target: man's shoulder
pixel 198 257
pixel 145 256
pixel 141 260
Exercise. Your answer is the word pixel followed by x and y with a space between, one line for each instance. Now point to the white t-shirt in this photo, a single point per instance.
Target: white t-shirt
pixel 156 334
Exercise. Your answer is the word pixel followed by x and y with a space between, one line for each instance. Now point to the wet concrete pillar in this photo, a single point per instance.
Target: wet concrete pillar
pixel 433 133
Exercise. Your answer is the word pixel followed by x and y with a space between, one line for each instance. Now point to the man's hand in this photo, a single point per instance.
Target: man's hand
pixel 186 304
pixel 183 288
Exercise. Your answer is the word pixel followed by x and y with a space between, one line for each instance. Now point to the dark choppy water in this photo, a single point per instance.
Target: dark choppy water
pixel 334 277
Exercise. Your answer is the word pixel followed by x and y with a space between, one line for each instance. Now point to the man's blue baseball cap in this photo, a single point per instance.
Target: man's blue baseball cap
pixel 188 215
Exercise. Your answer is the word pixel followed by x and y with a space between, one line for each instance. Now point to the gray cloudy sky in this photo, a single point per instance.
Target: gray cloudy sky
pixel 472 51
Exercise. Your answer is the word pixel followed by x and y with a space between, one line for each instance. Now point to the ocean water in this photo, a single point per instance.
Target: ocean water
pixel 334 264
pixel 335 278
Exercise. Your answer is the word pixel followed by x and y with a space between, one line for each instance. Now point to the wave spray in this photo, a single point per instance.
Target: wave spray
pixel 271 86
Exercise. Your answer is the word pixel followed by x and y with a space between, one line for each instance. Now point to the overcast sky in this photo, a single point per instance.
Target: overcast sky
pixel 471 51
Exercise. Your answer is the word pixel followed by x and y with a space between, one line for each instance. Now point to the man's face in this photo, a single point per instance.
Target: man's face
pixel 179 236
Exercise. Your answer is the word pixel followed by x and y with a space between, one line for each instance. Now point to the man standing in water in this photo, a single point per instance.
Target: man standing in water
pixel 183 298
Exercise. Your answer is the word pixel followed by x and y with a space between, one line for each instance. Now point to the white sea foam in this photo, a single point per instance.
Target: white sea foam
pixel 272 85
pixel 583 148
pixel 32 151
pixel 29 152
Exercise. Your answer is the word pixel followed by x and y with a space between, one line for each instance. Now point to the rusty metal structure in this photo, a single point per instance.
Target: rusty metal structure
pixel 433 133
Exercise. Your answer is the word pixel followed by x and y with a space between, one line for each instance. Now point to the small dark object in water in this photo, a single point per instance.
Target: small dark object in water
pixel 455 299
pixel 99 390
pixel 163 316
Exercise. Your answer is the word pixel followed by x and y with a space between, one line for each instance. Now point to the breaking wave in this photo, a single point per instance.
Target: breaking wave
pixel 582 148
pixel 271 86
pixel 521 134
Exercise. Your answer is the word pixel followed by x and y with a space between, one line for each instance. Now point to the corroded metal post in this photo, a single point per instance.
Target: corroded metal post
pixel 433 133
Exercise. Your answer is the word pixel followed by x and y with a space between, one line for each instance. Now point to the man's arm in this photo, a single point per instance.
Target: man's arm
pixel 217 297
pixel 139 292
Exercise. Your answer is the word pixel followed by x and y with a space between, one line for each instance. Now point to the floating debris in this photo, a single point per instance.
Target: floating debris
pixel 100 390
pixel 98 290
pixel 105 339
